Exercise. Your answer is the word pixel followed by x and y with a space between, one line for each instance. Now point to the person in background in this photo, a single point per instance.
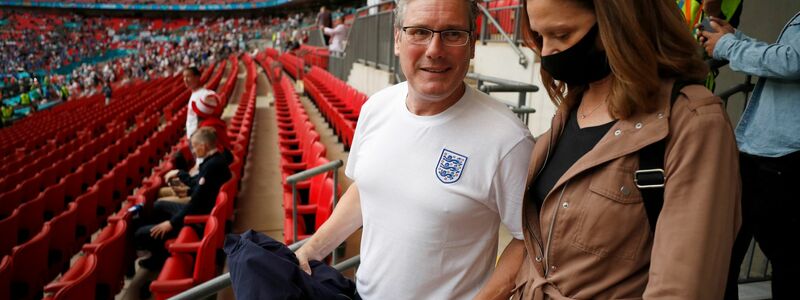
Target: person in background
pixel 337 34
pixel 166 219
pixel 768 139
pixel 107 91
pixel 324 20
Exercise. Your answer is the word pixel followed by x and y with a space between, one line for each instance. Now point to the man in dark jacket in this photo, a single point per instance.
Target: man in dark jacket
pixel 167 217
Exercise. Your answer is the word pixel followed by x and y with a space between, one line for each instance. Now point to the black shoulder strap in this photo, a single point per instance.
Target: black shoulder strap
pixel 650 178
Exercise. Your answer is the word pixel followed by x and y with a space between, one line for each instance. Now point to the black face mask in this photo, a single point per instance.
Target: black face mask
pixel 581 64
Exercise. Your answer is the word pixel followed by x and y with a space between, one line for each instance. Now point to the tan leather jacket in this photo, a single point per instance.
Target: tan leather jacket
pixel 592 239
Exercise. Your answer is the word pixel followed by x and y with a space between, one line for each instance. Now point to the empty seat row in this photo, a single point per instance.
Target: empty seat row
pixel 301 149
pixel 338 102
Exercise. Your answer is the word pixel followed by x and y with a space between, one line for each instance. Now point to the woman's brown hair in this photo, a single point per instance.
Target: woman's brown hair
pixel 645 41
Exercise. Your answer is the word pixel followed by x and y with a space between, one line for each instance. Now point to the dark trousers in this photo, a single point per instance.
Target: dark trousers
pixel 162 211
pixel 771 214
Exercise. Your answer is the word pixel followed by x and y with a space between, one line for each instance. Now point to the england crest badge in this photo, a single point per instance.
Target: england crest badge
pixel 450 166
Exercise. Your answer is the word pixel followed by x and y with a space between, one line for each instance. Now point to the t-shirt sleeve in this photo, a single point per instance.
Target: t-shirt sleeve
pixel 508 185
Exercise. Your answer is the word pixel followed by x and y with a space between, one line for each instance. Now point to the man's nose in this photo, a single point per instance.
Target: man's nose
pixel 436 47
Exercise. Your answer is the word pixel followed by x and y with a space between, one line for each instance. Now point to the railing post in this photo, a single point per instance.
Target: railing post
pixel 335 172
pixel 517 23
pixel 294 212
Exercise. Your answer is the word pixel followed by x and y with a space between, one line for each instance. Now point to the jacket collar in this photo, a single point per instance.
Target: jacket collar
pixel 625 137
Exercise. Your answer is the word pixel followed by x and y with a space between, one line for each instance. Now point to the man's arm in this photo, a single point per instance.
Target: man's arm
pixel 345 220
pixel 209 181
pixel 754 57
pixel 501 283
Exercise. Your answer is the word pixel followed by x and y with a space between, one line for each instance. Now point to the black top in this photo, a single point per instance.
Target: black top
pixel 573 144
pixel 203 187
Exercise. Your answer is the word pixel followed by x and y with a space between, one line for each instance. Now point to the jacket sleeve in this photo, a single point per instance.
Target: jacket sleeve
pixel 205 193
pixel 750 56
pixel 701 213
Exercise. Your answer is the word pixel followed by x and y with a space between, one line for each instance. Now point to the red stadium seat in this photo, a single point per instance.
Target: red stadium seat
pixel 9 201
pixel 54 200
pixel 86 224
pixel 31 218
pixel 77 283
pixel 62 240
pixel 6 268
pixel 30 268
pixel 182 271
pixel 111 249
pixel 8 232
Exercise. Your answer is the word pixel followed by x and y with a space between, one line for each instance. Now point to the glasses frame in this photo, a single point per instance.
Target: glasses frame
pixel 440 32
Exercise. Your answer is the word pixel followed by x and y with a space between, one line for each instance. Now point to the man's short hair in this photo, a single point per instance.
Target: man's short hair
pixel 206 135
pixel 194 70
pixel 400 12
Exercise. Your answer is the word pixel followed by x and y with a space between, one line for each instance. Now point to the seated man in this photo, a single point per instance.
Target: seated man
pixel 167 216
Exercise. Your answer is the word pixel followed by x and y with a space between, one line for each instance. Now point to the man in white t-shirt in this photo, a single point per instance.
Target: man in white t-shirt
pixel 202 104
pixel 436 167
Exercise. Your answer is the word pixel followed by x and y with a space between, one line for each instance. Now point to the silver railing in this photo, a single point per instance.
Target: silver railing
pixel 495 32
pixel 294 179
pixel 316 37
pixel 370 41
pixel 213 286
pixel 501 85
pixel 216 284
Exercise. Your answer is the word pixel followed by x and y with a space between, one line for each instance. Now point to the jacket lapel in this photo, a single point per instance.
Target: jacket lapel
pixel 625 137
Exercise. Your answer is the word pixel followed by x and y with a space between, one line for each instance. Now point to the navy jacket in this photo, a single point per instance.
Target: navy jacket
pixel 203 187
pixel 263 268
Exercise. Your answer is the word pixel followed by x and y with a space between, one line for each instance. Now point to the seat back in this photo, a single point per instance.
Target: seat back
pixel 6 268
pixel 110 248
pixel 86 220
pixel 205 261
pixel 8 232
pixel 79 281
pixel 54 200
pixel 29 277
pixel 9 201
pixel 62 240
pixel 31 218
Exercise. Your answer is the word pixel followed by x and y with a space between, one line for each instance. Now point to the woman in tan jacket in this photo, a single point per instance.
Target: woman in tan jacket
pixel 610 66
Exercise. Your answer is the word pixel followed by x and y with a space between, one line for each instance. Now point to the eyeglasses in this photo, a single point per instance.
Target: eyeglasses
pixel 450 37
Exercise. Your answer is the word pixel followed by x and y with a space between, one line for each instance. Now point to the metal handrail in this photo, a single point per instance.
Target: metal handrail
pixel 294 179
pixel 348 263
pixel 501 85
pixel 745 87
pixel 523 60
pixel 216 284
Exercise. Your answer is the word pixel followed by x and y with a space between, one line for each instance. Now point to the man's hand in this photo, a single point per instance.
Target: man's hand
pixel 181 190
pixel 304 254
pixel 709 39
pixel 170 175
pixel 160 230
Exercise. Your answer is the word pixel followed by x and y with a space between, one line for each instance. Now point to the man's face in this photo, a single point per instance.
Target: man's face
pixel 190 79
pixel 435 71
pixel 200 149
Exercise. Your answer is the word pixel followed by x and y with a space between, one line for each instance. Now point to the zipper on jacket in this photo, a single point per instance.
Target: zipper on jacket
pixel 550 232
pixel 546 158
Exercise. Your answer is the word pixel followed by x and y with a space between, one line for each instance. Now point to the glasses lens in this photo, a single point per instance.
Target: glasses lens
pixel 419 35
pixel 455 37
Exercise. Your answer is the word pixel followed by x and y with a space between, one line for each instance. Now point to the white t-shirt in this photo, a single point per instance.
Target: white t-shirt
pixel 198 98
pixel 338 37
pixel 433 192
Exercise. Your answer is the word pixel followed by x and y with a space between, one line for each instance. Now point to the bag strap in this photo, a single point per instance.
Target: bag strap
pixel 651 177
